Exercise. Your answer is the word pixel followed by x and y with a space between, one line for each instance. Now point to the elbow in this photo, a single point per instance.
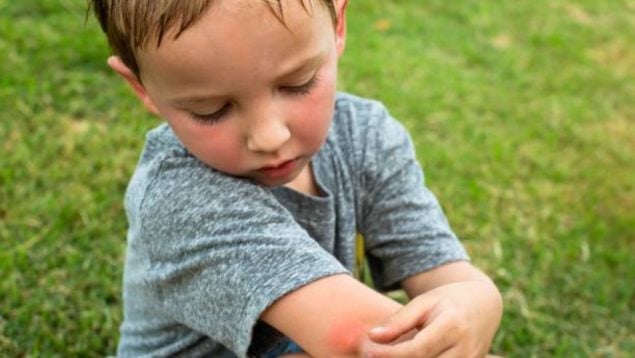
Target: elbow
pixel 347 338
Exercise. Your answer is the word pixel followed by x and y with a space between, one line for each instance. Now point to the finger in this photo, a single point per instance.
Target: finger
pixel 409 317
pixel 434 339
pixel 408 349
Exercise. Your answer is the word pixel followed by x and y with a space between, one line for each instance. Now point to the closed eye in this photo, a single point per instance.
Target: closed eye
pixel 302 89
pixel 211 118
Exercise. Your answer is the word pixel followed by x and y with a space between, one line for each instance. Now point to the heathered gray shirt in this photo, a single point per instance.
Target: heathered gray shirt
pixel 208 253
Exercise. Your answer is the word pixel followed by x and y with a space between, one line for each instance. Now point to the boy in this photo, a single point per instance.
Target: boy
pixel 243 208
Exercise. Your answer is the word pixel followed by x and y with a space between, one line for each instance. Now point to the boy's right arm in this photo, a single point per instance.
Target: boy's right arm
pixel 330 317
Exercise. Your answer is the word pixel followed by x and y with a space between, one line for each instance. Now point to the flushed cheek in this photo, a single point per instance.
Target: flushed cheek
pixel 315 125
pixel 223 153
pixel 313 119
pixel 227 155
pixel 213 145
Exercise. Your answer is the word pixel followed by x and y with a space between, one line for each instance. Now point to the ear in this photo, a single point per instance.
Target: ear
pixel 340 27
pixel 118 66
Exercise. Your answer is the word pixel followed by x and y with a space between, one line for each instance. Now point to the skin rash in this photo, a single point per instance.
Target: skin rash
pixel 345 335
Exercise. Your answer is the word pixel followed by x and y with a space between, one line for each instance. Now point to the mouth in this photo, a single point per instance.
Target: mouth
pixel 278 165
pixel 279 170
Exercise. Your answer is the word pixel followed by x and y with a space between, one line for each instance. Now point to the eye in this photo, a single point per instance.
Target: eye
pixel 303 88
pixel 211 118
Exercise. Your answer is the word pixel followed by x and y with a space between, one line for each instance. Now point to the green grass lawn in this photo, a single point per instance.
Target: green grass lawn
pixel 523 113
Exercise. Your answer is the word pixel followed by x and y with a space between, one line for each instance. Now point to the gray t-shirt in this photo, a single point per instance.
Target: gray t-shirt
pixel 208 253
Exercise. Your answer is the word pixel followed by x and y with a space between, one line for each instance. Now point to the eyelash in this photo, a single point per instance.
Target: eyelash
pixel 212 118
pixel 304 88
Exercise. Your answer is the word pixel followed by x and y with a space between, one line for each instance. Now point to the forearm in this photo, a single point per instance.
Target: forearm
pixel 457 280
pixel 460 271
pixel 330 316
pixel 485 293
pixel 454 273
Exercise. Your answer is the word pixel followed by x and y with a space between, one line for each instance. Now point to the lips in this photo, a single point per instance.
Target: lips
pixel 274 166
pixel 279 170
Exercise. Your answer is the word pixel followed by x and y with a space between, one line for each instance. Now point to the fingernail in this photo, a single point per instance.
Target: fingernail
pixel 378 330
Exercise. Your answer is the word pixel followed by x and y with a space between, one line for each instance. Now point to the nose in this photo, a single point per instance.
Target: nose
pixel 267 135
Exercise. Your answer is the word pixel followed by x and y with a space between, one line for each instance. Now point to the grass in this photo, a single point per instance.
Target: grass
pixel 523 117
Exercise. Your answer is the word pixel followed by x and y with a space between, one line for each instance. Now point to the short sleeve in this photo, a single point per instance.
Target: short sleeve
pixel 405 229
pixel 221 250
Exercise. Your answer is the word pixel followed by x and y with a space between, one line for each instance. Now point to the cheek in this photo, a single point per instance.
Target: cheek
pixel 219 150
pixel 313 117
pixel 216 146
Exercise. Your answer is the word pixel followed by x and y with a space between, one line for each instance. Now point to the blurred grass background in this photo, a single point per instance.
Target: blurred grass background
pixel 523 113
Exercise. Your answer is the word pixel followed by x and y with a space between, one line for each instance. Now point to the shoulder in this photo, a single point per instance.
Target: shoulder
pixel 353 107
pixel 362 126
pixel 173 191
pixel 165 166
pixel 359 118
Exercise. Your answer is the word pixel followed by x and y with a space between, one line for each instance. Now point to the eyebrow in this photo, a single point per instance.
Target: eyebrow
pixel 302 65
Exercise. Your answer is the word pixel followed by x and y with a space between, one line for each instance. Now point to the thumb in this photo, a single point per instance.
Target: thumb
pixel 383 334
pixel 407 320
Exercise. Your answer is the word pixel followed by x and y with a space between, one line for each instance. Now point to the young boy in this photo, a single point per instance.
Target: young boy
pixel 244 207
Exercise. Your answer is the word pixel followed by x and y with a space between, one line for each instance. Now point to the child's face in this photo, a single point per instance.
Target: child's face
pixel 244 94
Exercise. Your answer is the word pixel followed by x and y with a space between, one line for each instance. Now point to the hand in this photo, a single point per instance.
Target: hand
pixel 454 320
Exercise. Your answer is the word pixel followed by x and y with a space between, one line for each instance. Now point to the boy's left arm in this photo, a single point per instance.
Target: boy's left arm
pixel 454 311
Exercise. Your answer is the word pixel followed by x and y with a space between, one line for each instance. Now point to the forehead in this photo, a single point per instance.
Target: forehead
pixel 282 11
pixel 239 36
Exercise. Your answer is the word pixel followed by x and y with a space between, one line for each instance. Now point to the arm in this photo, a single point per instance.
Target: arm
pixel 462 276
pixel 455 308
pixel 330 317
pixel 453 272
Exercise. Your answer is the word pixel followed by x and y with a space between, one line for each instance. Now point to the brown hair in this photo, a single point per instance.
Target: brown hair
pixel 131 25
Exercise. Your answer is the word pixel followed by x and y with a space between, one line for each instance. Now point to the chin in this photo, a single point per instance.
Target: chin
pixel 269 183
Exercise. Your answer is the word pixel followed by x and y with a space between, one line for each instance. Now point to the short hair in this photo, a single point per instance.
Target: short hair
pixel 131 25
